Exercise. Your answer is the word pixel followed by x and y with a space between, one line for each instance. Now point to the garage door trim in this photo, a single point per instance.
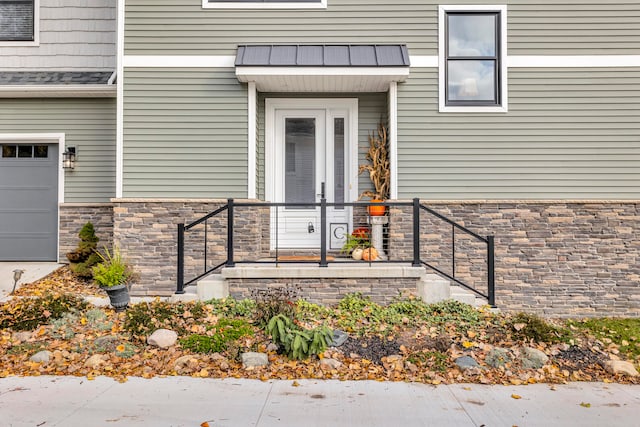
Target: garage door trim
pixel 45 138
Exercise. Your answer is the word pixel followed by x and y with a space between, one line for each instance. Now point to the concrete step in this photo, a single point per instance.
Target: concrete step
pixel 458 293
pixel 212 286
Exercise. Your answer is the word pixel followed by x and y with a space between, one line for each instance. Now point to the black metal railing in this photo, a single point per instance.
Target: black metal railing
pixel 418 212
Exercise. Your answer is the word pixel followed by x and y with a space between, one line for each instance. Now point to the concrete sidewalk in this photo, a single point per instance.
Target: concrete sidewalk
pixel 184 401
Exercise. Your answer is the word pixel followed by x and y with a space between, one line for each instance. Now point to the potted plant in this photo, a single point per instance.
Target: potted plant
pixel 356 243
pixel 378 168
pixel 114 276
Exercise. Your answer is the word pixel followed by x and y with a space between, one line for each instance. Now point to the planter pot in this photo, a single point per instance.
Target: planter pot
pixel 376 210
pixel 118 296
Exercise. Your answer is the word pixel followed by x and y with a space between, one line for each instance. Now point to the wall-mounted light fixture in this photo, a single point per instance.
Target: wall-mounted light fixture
pixel 69 158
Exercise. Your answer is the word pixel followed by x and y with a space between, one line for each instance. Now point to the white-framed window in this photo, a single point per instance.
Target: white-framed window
pixel 472 49
pixel 19 24
pixel 264 4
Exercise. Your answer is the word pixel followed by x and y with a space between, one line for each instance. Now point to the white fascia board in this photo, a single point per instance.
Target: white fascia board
pixel 573 61
pixel 50 91
pixel 243 72
pixel 262 5
pixel 182 61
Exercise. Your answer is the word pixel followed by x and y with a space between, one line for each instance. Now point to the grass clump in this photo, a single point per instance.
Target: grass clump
pixel 144 318
pixel 232 307
pixel 226 331
pixel 530 327
pixel 28 314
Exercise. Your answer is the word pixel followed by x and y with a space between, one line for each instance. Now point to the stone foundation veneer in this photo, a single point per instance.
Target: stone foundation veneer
pixel 574 258
pixel 73 216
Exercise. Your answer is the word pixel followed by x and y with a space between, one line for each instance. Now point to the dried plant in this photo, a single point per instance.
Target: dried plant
pixel 378 167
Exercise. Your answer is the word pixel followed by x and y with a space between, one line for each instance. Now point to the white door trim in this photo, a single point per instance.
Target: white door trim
pixel 272 104
pixel 45 138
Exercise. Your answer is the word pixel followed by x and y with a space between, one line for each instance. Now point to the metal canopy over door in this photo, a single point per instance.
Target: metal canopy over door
pixel 311 160
pixel 28 201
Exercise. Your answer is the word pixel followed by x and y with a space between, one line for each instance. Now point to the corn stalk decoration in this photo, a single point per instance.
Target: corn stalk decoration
pixel 378 167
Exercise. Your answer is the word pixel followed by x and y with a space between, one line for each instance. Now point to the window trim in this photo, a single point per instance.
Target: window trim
pixel 502 106
pixel 36 31
pixel 206 4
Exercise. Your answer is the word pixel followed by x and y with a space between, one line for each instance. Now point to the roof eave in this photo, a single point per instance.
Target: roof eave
pixel 58 91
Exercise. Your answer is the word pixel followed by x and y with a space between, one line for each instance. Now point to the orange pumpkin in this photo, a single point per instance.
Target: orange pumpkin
pixel 370 254
pixel 376 210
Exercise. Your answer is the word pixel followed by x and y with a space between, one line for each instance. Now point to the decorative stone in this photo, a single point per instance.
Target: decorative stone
pixel 183 361
pixel 533 358
pixel 94 361
pixel 498 357
pixel 620 367
pixel 272 347
pixel 339 338
pixel 163 338
pixel 41 357
pixel 22 336
pixel 330 363
pixel 254 359
pixel 466 362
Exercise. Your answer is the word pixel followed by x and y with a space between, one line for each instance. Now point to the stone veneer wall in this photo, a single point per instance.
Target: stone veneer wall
pixel 554 258
pixel 146 232
pixel 330 291
pixel 73 216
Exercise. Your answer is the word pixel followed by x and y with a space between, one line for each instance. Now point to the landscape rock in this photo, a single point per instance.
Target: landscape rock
pixel 533 358
pixel 272 347
pixel 163 338
pixel 498 357
pixel 253 359
pixel 41 357
pixel 183 361
pixel 466 362
pixel 620 367
pixel 106 343
pixel 94 361
pixel 22 336
pixel 339 338
pixel 330 363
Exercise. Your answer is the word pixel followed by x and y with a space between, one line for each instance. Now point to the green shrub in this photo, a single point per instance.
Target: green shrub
pixel 226 331
pixel 29 313
pixel 232 307
pixel 527 326
pixel 296 342
pixel 84 257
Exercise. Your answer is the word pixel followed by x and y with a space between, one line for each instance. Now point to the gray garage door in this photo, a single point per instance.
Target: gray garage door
pixel 28 202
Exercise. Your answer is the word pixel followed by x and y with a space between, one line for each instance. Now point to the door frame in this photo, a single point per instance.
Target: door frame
pixel 45 138
pixel 271 151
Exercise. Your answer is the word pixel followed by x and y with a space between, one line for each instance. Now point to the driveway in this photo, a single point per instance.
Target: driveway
pixel 32 272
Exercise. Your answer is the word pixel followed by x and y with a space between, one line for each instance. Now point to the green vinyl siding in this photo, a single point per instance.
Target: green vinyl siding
pixel 185 133
pixel 570 27
pixel 88 124
pixel 569 133
pixel 371 108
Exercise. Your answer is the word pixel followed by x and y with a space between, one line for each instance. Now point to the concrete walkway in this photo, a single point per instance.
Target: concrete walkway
pixel 32 272
pixel 185 401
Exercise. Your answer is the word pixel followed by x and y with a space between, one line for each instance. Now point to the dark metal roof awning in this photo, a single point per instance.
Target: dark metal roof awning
pixel 322 68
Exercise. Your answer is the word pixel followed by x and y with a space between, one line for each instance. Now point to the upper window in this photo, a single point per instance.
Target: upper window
pixel 472 66
pixel 264 4
pixel 17 20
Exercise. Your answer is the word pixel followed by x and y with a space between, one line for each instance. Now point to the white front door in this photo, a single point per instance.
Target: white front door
pixel 311 149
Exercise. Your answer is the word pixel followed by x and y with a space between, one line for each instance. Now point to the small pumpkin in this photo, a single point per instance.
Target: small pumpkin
pixel 376 210
pixel 370 254
pixel 357 254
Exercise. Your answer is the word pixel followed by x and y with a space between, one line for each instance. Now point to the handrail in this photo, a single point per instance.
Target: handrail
pixel 417 260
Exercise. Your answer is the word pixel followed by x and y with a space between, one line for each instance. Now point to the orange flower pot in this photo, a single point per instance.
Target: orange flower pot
pixel 376 210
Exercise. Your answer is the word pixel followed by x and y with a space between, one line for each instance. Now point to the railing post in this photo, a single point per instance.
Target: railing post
pixel 491 275
pixel 230 261
pixel 416 233
pixel 323 233
pixel 180 279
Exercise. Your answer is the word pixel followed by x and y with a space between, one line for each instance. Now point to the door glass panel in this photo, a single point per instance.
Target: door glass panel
pixel 300 161
pixel 40 151
pixel 25 151
pixel 9 151
pixel 338 163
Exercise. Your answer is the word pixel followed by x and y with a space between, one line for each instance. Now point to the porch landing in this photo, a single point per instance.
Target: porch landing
pixel 327 285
